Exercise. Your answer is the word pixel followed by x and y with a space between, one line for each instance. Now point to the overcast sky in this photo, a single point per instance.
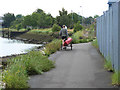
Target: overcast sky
pixel 85 8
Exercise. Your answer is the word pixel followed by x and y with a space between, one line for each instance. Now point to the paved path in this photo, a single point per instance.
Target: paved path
pixel 83 67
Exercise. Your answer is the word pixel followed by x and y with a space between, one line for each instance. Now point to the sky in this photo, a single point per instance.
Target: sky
pixel 85 8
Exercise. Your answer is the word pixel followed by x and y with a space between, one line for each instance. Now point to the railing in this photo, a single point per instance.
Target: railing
pixel 108 34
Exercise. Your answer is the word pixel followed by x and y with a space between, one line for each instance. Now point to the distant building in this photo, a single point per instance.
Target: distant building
pixel 110 2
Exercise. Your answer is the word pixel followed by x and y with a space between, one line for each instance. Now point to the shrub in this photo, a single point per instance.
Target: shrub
pixel 36 63
pixel 52 47
pixel 56 28
pixel 21 66
pixel 78 27
pixel 16 76
pixel 76 36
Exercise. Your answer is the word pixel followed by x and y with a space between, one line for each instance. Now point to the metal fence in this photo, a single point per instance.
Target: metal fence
pixel 108 34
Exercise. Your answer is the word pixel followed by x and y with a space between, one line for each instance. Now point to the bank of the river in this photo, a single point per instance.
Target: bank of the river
pixel 35 38
pixel 29 58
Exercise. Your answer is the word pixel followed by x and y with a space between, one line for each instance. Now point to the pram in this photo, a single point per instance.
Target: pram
pixel 67 43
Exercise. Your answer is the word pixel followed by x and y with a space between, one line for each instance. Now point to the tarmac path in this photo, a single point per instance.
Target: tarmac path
pixel 82 67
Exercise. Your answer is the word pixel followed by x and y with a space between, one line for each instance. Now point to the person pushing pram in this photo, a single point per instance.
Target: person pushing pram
pixel 63 33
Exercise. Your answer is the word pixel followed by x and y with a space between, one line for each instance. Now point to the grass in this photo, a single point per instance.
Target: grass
pixel 16 76
pixel 46 30
pixel 108 64
pixel 79 37
pixel 0 80
pixel 19 68
pixel 95 43
pixel 116 78
pixel 52 47
pixel 76 36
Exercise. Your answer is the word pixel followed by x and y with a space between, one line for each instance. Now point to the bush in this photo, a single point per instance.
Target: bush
pixel 56 28
pixel 76 36
pixel 16 76
pixel 52 47
pixel 78 27
pixel 21 66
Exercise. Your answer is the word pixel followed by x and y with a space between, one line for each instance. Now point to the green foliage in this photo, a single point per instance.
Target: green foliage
pixel 16 76
pixel 76 36
pixel 63 12
pixel 52 47
pixel 18 26
pixel 56 28
pixel 108 64
pixel 95 43
pixel 96 16
pixel 63 19
pixel 20 67
pixel 88 20
pixel 75 18
pixel 79 37
pixel 7 19
pixel 77 27
pixel 115 78
pixel 39 19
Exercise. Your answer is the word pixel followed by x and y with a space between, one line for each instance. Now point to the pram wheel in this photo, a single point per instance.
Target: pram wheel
pixel 71 45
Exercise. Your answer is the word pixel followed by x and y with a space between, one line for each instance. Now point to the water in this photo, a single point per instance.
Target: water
pixel 10 47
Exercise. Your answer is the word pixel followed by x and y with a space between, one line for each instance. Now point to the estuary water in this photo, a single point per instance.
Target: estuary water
pixel 10 47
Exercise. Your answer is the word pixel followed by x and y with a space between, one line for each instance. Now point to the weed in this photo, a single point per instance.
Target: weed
pixel 108 64
pixel 95 43
pixel 116 78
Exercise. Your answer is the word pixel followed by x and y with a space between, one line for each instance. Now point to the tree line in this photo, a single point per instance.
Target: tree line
pixel 39 19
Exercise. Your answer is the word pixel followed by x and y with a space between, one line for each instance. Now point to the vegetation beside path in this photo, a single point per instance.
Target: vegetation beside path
pixel 108 66
pixel 20 67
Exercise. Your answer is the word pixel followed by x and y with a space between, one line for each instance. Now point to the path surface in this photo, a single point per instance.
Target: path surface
pixel 80 68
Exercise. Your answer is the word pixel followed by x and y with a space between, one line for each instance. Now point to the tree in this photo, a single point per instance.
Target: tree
pixel 17 23
pixel 27 21
pixel 77 27
pixel 63 19
pixel 7 19
pixel 56 28
pixel 96 16
pixel 63 12
pixel 39 11
pixel 19 16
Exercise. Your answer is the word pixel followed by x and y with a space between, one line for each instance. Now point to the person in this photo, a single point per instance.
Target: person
pixel 63 33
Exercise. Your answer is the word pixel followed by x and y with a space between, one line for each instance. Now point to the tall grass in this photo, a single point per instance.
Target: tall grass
pixel 52 47
pixel 108 64
pixel 76 36
pixel 20 67
pixel 95 43
pixel 37 31
pixel 116 78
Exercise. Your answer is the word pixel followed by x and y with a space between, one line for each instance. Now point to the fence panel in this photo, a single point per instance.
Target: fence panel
pixel 107 34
